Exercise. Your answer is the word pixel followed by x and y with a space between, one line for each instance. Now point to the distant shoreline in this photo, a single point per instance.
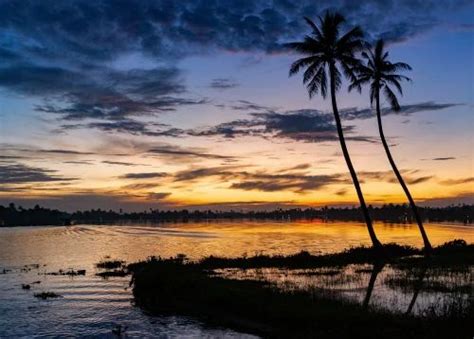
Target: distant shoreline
pixel 397 214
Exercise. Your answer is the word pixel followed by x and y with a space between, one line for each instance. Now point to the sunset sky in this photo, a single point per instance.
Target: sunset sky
pixel 173 104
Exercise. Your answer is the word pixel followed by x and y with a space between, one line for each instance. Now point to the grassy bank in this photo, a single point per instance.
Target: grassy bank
pixel 180 287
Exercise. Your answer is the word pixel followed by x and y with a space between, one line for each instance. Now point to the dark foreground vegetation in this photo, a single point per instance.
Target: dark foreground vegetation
pixel 179 286
pixel 19 216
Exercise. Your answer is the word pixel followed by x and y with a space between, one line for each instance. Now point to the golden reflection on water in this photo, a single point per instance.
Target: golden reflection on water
pixel 86 244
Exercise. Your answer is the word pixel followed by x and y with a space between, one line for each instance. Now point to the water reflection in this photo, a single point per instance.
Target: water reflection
pixel 93 306
pixel 381 285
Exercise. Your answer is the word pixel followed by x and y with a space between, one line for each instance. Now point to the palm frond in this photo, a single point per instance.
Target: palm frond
pixel 314 84
pixel 399 66
pixel 311 71
pixel 301 63
pixel 396 84
pixel 357 84
pixel 352 38
pixel 314 27
pixel 391 98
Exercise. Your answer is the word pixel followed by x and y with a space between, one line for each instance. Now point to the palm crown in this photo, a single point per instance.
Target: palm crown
pixel 381 74
pixel 325 49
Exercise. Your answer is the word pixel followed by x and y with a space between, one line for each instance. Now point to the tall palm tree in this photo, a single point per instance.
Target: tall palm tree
pixel 327 52
pixel 381 74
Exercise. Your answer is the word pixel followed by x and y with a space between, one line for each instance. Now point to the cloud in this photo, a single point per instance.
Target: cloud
pixel 223 83
pixel 341 192
pixel 120 163
pixel 409 176
pixel 85 162
pixel 146 175
pixel 76 56
pixel 260 180
pixel 296 168
pixel 168 29
pixel 306 125
pixel 286 182
pixel 178 152
pixel 460 181
pixel 106 94
pixel 440 159
pixel 245 105
pixel 129 126
pixel 20 174
pixel 140 186
pixel 405 110
pixel 158 196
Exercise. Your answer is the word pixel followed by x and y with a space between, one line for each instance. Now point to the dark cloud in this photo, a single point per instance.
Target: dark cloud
pixel 223 83
pixel 460 181
pixel 286 182
pixel 306 125
pixel 296 168
pixel 261 181
pixel 119 163
pixel 405 110
pixel 147 175
pixel 85 162
pixel 106 94
pixel 341 192
pixel 224 172
pixel 20 174
pixel 129 126
pixel 68 52
pixel 100 31
pixel 158 196
pixel 244 105
pixel 177 152
pixel 409 176
pixel 62 151
pixel 441 159
pixel 140 186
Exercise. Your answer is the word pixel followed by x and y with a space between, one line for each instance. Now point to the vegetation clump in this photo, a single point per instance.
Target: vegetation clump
pixel 47 295
pixel 69 272
pixel 113 273
pixel 110 264
pixel 178 286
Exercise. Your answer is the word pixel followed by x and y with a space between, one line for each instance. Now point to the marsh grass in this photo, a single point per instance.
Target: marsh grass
pixel 47 295
pixel 111 268
pixel 257 294
pixel 110 264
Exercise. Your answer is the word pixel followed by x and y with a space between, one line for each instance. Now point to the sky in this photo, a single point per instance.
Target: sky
pixel 188 104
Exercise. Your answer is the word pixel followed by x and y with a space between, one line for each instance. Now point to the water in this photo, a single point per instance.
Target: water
pixel 92 306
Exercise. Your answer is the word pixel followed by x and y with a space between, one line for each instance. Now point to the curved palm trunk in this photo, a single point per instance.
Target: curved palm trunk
pixel 426 242
pixel 375 242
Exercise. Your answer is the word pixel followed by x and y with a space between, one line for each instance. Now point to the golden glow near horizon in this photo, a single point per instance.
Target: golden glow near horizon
pixel 282 174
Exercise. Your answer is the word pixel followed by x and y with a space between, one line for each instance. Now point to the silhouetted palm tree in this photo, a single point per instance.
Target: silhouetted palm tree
pixel 381 75
pixel 326 52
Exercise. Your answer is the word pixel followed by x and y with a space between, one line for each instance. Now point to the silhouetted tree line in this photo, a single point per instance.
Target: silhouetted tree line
pixel 37 216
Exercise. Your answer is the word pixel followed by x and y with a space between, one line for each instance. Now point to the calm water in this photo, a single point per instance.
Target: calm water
pixel 92 306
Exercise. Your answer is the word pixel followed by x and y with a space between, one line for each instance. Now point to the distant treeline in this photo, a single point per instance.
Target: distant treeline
pixel 19 216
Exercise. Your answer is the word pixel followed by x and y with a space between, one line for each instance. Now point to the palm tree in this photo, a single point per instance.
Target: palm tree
pixel 381 75
pixel 327 52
